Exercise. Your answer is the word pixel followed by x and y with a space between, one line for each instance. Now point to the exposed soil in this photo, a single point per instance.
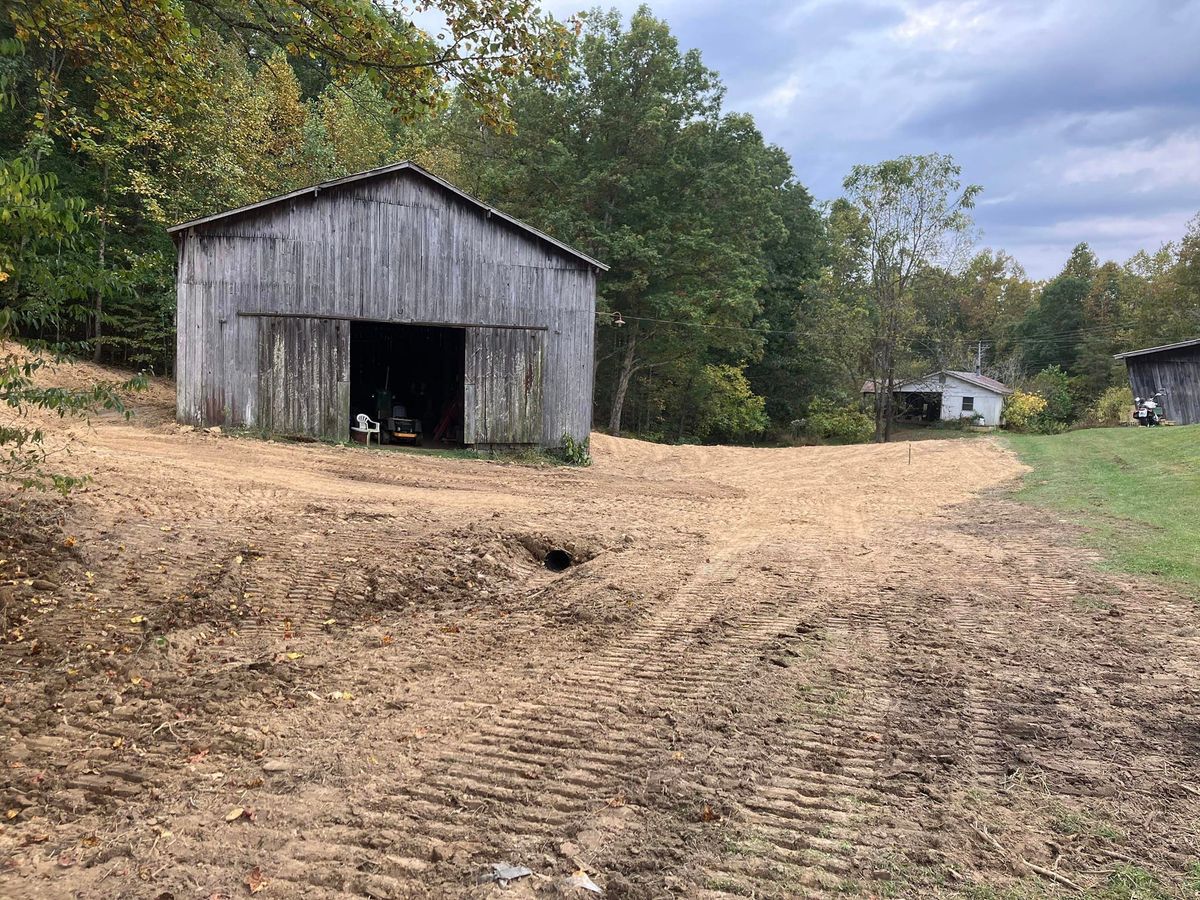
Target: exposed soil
pixel 769 673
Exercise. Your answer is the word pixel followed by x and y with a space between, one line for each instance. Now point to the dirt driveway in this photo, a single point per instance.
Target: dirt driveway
pixel 235 667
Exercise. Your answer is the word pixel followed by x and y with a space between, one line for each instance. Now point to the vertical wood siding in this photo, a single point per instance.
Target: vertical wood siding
pixel 503 389
pixel 304 377
pixel 1174 372
pixel 396 248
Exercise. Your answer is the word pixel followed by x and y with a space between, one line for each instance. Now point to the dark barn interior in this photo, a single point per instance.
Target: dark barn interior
pixel 921 407
pixel 409 372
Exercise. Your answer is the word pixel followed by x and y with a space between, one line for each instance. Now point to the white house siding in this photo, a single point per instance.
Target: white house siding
pixel 987 403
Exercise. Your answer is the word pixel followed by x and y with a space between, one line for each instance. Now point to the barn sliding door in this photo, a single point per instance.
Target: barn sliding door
pixel 503 386
pixel 304 376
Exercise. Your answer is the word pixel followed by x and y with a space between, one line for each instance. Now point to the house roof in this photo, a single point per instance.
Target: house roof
pixel 990 384
pixel 1176 346
pixel 315 189
pixel 982 381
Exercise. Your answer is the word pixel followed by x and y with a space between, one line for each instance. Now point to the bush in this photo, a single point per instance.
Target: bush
pixel 1113 407
pixel 1025 411
pixel 1054 386
pixel 575 453
pixel 731 410
pixel 837 422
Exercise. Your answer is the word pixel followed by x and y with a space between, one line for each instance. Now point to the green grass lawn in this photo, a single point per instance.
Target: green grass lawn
pixel 1135 490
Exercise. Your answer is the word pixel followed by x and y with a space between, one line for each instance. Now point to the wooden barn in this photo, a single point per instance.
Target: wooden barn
pixel 389 293
pixel 1172 370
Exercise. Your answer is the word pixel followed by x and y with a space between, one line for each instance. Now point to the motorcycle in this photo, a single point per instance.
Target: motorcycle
pixel 1150 412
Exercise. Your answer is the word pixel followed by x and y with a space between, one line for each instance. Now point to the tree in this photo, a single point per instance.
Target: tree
pixel 915 212
pixel 33 216
pixel 630 157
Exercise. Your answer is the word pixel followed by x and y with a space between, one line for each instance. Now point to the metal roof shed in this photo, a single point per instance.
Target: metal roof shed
pixel 1172 370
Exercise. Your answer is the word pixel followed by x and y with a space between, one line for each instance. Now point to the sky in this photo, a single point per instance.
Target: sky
pixel 1080 118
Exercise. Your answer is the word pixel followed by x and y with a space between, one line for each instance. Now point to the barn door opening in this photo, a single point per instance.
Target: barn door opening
pixel 504 386
pixel 410 379
pixel 303 376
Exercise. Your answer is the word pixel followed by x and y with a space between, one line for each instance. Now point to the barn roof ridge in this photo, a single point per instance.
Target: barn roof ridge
pixel 404 165
pixel 1178 345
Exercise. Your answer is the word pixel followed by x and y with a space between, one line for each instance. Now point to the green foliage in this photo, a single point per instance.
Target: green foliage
pixel 731 411
pixel 1113 407
pixel 25 453
pixel 632 159
pixel 837 423
pixel 914 214
pixel 1054 385
pixel 575 453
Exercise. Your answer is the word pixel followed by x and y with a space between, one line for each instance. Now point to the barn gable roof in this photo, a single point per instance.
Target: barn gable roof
pixel 1176 346
pixel 315 189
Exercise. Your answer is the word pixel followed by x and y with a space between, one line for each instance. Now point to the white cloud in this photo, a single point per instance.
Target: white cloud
pixel 1141 164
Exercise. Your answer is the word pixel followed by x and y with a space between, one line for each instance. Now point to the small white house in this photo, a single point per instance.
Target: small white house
pixel 949 395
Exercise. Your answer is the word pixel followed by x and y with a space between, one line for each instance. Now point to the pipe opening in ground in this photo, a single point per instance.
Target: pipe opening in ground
pixel 557 560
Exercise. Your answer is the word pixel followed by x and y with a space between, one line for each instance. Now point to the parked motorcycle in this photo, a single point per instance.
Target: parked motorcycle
pixel 1150 412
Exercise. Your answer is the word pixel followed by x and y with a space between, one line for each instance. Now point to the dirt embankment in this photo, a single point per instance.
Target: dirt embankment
pixel 232 666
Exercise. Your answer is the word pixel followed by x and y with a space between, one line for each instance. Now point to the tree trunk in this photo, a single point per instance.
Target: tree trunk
pixel 623 379
pixel 100 287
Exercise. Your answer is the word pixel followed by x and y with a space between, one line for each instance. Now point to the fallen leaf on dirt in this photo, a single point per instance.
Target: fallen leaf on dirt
pixel 255 880
pixel 35 839
pixel 70 542
pixel 165 528
pixel 90 841
pixel 618 800
pixel 137 620
pixel 196 757
pixel 294 655
pixel 12 814
pixel 240 812
pixel 708 814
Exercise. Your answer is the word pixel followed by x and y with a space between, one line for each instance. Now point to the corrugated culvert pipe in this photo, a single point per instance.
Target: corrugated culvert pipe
pixel 557 560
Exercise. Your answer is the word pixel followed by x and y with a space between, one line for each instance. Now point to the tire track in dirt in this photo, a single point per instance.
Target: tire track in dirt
pixel 772 679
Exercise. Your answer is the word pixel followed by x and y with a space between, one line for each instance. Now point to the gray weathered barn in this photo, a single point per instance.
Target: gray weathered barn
pixel 1173 370
pixel 390 288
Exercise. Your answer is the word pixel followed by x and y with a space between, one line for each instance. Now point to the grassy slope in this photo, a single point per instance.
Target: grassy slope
pixel 1136 490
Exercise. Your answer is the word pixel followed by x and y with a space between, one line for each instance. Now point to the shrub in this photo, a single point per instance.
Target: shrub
pixel 575 453
pixel 731 410
pixel 962 423
pixel 1025 411
pixel 837 422
pixel 1113 407
pixel 1054 386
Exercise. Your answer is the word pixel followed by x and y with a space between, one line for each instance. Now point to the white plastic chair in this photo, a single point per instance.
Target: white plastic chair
pixel 367 426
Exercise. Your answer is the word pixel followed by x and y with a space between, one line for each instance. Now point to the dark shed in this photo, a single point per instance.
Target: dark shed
pixel 389 291
pixel 1173 370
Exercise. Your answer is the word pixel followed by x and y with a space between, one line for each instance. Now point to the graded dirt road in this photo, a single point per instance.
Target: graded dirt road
pixel 233 666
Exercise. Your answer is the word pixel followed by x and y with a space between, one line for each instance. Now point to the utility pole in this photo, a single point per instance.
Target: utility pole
pixel 979 357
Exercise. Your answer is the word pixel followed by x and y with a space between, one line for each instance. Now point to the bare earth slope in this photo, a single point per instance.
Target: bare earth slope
pixel 774 673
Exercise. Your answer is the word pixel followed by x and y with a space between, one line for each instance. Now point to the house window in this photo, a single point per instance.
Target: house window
pixel 968 404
